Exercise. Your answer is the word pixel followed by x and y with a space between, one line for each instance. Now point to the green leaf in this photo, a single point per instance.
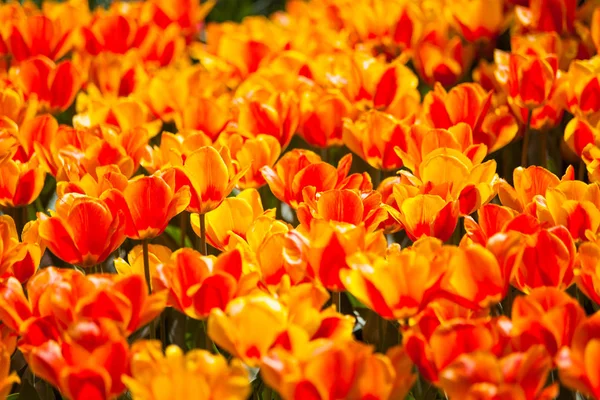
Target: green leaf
pixel 175 234
pixel 13 396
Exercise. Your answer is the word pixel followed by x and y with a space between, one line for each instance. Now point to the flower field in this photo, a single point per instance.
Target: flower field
pixel 347 199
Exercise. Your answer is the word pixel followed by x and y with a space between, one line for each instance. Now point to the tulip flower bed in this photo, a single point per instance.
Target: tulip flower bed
pixel 348 199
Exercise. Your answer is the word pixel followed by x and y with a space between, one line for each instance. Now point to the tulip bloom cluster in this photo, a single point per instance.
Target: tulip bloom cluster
pixel 326 203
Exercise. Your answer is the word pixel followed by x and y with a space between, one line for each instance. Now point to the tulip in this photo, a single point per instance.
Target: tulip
pixel 299 169
pixel 20 182
pixel 576 365
pixel 571 204
pixel 343 205
pixel 478 19
pixel 66 232
pixel 88 364
pixel 207 115
pixel 374 136
pixel 14 307
pixel 230 221
pixel 320 250
pixel 148 204
pixel 528 183
pixel 7 379
pixel 54 86
pixel 251 155
pixel 277 116
pixel 209 175
pixel 38 35
pixel 357 372
pixel 105 178
pixel 198 284
pixel 581 93
pixel 588 258
pixel 321 117
pixel 426 341
pixel 547 316
pixel 173 150
pixel 485 376
pixel 423 141
pixel 263 319
pixel 101 35
pixel 19 258
pixel 548 15
pixel 579 134
pixel 157 255
pixel 439 59
pixel 125 113
pixel 471 104
pixel 69 296
pixel 197 373
pixel 383 283
pixel 266 241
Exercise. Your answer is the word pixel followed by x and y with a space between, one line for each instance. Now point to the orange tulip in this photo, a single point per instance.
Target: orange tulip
pixel 209 174
pixel 230 222
pixel 38 35
pixel 426 342
pixel 105 178
pixel 482 375
pixel 207 115
pixel 529 80
pixel 383 283
pixel 126 113
pixel 576 361
pixel 197 373
pixel 581 93
pixel 581 137
pixel 320 249
pixel 7 379
pixel 266 241
pixel 321 117
pixel 386 188
pixel 86 363
pixel 588 258
pixel 20 182
pixel 18 258
pixel 478 19
pixel 198 284
pixel 54 86
pixel 77 151
pixel 173 150
pixel 148 204
pixel 355 372
pixel 572 204
pixel 423 142
pixel 263 319
pixel 471 104
pixel 343 205
pixel 187 15
pixel 112 33
pixel 252 154
pixel 374 136
pixel 68 235
pixel 134 264
pixel 277 115
pixel 528 183
pixel 548 15
pixel 69 296
pixel 14 307
pixel 298 169
pixel 547 316
pixel 440 59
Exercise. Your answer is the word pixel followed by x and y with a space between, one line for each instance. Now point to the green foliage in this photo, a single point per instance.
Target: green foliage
pixel 236 10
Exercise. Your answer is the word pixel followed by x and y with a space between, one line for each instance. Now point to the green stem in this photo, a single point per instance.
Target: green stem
pixel 526 138
pixel 182 228
pixel 336 298
pixel 544 148
pixel 202 239
pixel 148 282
